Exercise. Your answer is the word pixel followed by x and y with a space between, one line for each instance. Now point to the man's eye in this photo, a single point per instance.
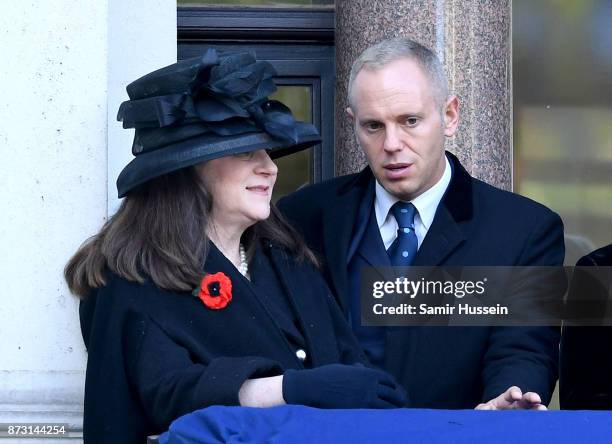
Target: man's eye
pixel 373 126
pixel 412 121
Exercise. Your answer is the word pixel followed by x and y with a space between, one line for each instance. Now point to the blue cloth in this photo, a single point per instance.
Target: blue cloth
pixel 298 424
pixel 404 248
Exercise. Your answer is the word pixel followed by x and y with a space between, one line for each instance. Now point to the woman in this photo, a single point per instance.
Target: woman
pixel 196 292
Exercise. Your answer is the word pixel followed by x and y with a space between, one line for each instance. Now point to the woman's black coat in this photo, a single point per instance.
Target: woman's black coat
pixel 154 355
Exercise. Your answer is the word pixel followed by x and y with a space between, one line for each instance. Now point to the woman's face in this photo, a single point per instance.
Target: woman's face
pixel 241 187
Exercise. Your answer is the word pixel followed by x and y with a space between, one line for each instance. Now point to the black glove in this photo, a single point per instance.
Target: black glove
pixel 338 386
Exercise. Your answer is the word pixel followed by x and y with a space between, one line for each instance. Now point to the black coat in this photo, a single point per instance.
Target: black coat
pixel 586 362
pixel 154 355
pixel 475 225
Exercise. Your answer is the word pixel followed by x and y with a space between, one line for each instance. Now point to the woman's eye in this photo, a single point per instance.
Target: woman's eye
pixel 248 155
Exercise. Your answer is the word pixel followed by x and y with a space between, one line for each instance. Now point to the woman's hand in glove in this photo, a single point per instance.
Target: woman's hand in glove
pixel 339 386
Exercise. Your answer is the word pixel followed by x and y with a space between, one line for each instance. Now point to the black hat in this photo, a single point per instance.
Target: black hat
pixel 204 108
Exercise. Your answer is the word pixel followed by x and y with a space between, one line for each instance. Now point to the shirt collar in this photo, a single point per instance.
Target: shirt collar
pixel 425 203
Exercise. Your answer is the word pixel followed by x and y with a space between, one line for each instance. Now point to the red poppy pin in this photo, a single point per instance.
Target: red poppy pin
pixel 215 291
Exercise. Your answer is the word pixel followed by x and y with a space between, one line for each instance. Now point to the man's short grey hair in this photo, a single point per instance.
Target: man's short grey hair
pixel 390 50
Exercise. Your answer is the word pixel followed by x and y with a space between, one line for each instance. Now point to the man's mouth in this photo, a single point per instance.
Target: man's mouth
pixel 397 170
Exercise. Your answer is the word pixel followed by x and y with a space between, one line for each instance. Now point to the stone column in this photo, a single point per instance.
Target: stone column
pixel 53 195
pixel 141 38
pixel 66 66
pixel 473 39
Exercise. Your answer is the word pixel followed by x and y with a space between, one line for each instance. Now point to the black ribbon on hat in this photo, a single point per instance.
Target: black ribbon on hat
pixel 224 94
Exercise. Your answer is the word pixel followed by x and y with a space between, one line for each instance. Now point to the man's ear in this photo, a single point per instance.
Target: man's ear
pixel 451 116
pixel 350 113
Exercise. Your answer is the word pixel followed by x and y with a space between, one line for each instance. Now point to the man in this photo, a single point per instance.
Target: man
pixel 417 204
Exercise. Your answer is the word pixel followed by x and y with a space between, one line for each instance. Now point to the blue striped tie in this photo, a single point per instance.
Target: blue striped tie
pixel 403 249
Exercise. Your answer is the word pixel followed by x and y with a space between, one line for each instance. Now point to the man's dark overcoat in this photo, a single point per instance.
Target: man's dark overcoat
pixel 474 225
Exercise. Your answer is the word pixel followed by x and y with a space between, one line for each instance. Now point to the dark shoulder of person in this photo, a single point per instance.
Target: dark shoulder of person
pixel 110 302
pixel 601 257
pixel 585 365
pixel 311 199
pixel 508 204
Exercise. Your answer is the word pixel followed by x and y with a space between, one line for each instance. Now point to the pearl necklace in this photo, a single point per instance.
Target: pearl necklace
pixel 243 268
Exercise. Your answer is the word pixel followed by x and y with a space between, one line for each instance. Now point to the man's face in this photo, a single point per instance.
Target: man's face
pixel 401 127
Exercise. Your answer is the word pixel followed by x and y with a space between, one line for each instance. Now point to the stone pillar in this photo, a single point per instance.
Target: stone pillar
pixel 67 63
pixel 141 38
pixel 473 39
pixel 53 195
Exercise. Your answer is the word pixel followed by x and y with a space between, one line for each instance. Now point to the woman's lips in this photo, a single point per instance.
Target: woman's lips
pixel 397 170
pixel 262 190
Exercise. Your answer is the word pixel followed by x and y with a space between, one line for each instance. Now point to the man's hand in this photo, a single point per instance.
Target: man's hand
pixel 513 399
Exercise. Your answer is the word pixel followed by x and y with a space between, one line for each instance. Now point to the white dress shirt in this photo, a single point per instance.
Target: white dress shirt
pixel 426 205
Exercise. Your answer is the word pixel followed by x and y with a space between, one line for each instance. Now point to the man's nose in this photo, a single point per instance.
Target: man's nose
pixel 393 141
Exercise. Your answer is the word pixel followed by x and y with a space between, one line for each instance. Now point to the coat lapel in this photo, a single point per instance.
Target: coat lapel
pixel 445 233
pixel 441 240
pixel 297 285
pixel 371 248
pixel 216 261
pixel 339 224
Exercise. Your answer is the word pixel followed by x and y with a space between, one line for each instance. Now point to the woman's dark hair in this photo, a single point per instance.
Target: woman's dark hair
pixel 159 232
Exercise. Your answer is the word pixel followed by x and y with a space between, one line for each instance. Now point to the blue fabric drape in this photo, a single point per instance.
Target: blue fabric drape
pixel 298 424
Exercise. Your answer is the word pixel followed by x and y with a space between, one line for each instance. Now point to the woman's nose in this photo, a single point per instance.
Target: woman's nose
pixel 265 165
